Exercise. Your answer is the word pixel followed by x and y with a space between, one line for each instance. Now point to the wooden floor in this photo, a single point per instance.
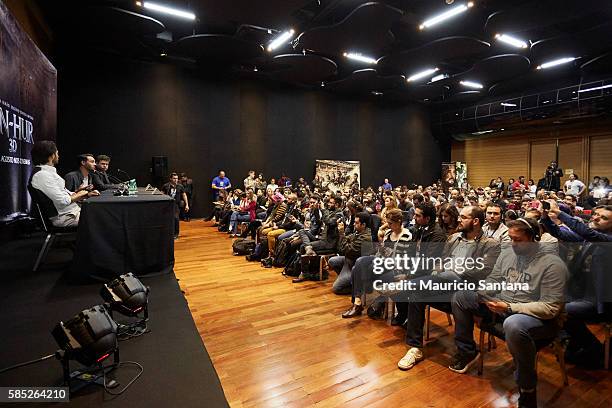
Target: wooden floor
pixel 274 343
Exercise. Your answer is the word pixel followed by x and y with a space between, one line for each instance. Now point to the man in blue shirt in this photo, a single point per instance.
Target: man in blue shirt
pixel 220 183
pixel 386 185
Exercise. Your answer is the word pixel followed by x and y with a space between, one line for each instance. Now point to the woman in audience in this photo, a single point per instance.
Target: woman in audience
pixel 395 241
pixel 448 218
pixel 390 203
pixel 244 212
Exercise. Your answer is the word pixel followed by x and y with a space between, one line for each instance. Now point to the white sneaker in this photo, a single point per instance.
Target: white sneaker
pixel 413 356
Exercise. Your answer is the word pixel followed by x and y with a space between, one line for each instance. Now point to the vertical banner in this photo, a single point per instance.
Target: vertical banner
pixel 337 175
pixel 461 175
pixel 28 107
pixel 449 176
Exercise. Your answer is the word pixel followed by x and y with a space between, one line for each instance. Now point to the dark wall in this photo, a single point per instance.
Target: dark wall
pixel 134 110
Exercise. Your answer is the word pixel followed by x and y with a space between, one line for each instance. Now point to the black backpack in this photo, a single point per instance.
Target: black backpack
pixel 281 253
pixel 243 246
pixel 294 265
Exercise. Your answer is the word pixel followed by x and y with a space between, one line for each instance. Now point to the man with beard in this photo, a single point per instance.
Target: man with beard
pixel 329 232
pixel 494 227
pixel 590 286
pixel 80 179
pixel 467 243
pixel 56 201
pixel 528 303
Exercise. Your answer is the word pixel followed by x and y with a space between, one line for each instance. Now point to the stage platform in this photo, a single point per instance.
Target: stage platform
pixel 177 369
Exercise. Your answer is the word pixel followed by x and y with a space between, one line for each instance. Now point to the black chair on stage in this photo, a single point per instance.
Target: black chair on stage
pixel 45 209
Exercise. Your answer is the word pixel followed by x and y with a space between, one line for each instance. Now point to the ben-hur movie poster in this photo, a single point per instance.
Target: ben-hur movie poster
pixel 28 105
pixel 337 175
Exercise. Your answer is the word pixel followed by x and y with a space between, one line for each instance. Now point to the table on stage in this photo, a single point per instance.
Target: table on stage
pixel 120 234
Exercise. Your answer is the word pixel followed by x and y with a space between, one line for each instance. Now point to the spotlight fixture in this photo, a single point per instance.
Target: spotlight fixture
pixel 168 10
pixel 282 39
pixel 359 57
pixel 446 15
pixel 422 74
pixel 89 338
pixel 515 42
pixel 555 63
pixel 127 295
pixel 470 84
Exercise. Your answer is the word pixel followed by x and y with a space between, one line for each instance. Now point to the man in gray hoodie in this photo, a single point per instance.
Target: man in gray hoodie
pixel 525 291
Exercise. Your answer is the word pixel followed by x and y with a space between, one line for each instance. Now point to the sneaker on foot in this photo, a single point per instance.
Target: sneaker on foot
pixel 462 362
pixel 413 356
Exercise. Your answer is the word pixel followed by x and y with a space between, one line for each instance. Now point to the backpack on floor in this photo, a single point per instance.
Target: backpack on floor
pixel 243 246
pixel 281 253
pixel 310 267
pixel 294 265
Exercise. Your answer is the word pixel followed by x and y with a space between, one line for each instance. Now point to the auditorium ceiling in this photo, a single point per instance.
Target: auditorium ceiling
pixel 405 51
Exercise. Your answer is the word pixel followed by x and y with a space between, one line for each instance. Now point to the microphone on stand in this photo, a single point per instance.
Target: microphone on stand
pixel 124 172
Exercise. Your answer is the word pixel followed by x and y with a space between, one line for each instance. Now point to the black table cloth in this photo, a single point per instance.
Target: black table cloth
pixel 124 234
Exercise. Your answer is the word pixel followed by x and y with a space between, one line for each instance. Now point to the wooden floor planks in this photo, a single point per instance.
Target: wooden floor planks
pixel 274 343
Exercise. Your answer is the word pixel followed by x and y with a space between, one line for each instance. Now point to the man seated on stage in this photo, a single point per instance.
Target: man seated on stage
pixel 100 178
pixel 46 181
pixel 176 191
pixel 528 305
pixel 81 179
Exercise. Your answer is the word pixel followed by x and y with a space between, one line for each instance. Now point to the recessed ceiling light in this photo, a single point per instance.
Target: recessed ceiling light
pixel 422 74
pixel 163 54
pixel 169 10
pixel 446 15
pixel 282 39
pixel 515 42
pixel 556 62
pixel 376 93
pixel 359 57
pixel 139 3
pixel 470 84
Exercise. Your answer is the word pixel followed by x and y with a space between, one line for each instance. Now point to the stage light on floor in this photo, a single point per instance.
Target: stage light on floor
pixel 89 338
pixel 128 296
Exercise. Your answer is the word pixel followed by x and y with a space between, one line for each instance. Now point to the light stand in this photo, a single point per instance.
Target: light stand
pixel 89 338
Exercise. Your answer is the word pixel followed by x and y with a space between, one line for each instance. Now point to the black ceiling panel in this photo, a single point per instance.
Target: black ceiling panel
pixel 114 21
pixel 366 29
pixel 365 80
pixel 537 16
pixel 300 69
pixel 217 47
pixel 496 68
pixel 597 66
pixel 435 53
